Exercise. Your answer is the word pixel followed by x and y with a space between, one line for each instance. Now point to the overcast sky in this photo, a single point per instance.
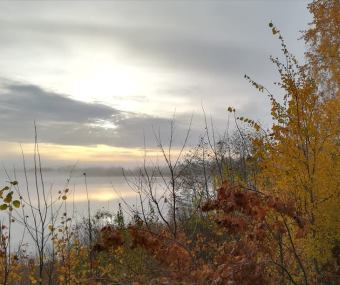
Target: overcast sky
pixel 99 76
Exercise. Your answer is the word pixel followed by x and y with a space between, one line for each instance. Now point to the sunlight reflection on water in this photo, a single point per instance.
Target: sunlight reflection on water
pixel 105 193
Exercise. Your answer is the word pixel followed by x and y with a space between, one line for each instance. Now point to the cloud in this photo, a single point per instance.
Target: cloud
pixel 62 120
pixel 189 53
pixel 161 47
pixel 210 37
pixel 31 103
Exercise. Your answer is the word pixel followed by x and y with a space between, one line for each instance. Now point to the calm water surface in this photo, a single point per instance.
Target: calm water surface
pixel 105 193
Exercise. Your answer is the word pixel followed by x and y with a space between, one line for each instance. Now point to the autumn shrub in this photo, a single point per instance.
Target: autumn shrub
pixel 298 157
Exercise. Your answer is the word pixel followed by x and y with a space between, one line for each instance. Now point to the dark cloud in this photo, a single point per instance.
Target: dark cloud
pixel 62 120
pixel 31 103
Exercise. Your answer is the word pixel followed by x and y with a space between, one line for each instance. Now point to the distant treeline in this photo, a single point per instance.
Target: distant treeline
pixel 97 171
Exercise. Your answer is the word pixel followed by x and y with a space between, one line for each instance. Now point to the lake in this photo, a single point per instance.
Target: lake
pixel 105 193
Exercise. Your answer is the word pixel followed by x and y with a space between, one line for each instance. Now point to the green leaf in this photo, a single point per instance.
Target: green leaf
pixel 3 207
pixel 16 203
pixel 8 198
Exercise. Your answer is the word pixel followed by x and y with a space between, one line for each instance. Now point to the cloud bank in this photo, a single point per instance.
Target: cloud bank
pixel 63 120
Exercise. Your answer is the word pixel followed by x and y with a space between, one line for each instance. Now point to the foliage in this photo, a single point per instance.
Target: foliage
pixel 324 46
pixel 298 157
pixel 10 265
pixel 255 207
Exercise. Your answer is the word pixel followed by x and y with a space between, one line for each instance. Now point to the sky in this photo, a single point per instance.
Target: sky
pixel 100 78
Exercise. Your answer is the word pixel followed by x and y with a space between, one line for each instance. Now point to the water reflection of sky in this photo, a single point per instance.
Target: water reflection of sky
pixel 105 193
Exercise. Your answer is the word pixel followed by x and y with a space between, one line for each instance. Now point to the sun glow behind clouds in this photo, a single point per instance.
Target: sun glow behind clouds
pixel 115 79
pixel 104 82
pixel 106 79
pixel 102 154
